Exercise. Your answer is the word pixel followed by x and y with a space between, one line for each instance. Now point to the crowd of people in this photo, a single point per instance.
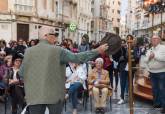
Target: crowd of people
pixel 95 75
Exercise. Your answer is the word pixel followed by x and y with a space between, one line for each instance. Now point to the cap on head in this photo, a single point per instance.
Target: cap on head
pixel 45 30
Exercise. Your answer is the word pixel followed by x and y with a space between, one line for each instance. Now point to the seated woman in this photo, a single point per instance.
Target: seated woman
pixel 99 82
pixel 76 76
pixel 15 84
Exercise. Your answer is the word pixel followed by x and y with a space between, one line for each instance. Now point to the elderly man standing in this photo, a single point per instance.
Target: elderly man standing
pixel 43 71
pixel 155 59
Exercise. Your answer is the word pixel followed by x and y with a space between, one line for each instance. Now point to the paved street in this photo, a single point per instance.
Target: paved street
pixel 141 107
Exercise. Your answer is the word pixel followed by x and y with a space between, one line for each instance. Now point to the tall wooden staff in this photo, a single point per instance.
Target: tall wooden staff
pixel 130 42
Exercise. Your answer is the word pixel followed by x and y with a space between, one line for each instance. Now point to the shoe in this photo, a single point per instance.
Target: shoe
pixel 115 90
pixel 2 99
pixel 80 101
pixel 156 106
pixel 102 110
pixel 163 111
pixel 121 102
pixel 97 110
pixel 74 111
pixel 66 96
pixel 126 94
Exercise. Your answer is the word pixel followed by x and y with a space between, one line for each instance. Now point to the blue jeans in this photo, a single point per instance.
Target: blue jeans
pixel 73 92
pixel 158 88
pixel 123 82
pixel 2 85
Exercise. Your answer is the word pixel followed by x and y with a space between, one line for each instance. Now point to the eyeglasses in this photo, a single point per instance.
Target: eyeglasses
pixel 51 34
pixel 20 60
pixel 3 55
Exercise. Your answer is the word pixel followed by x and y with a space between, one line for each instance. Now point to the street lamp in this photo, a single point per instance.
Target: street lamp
pixel 155 7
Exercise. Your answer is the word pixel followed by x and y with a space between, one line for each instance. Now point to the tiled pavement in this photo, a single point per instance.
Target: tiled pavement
pixel 141 107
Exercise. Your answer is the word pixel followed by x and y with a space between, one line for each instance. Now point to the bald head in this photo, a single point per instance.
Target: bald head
pixel 155 40
pixel 155 36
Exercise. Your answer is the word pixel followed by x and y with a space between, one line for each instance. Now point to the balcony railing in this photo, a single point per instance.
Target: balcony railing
pixel 23 8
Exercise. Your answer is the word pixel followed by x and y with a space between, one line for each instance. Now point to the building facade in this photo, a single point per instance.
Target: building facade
pixel 144 24
pixel 115 14
pixel 101 21
pixel 21 19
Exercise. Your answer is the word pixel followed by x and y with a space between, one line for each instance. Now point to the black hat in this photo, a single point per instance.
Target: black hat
pixel 17 56
pixel 114 42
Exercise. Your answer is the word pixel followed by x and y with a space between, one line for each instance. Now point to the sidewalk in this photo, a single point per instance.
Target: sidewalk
pixel 141 107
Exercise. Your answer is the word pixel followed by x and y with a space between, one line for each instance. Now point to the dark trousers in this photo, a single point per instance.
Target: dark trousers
pixel 158 88
pixel 17 98
pixel 116 74
pixel 40 108
pixel 110 70
pixel 73 92
pixel 123 82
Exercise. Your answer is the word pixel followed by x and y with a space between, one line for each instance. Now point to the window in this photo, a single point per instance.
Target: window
pixel 24 5
pixel 113 10
pixel 56 9
pixel 118 20
pixel 92 10
pixel 53 6
pixel 92 24
pixel 45 4
pixel 112 19
pixel 92 2
pixel 118 11
pixel 119 3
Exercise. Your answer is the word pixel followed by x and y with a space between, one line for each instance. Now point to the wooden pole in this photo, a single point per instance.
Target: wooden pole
pixel 130 76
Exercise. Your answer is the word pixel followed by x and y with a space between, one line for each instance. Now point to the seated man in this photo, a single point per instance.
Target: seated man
pixel 76 76
pixel 99 82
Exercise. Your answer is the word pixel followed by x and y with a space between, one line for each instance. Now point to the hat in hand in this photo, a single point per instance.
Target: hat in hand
pixel 113 41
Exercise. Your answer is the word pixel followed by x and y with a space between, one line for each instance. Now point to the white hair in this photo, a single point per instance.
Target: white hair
pixel 99 60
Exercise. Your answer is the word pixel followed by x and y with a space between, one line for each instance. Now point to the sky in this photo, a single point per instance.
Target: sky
pixel 123 7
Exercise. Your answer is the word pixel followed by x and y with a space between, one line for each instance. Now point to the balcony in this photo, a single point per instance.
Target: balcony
pixel 22 9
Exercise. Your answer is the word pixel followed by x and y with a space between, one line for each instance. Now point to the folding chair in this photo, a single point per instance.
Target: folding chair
pixel 109 99
pixel 84 93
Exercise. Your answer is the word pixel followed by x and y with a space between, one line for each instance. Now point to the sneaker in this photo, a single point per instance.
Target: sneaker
pixel 66 96
pixel 121 102
pixel 80 101
pixel 74 111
